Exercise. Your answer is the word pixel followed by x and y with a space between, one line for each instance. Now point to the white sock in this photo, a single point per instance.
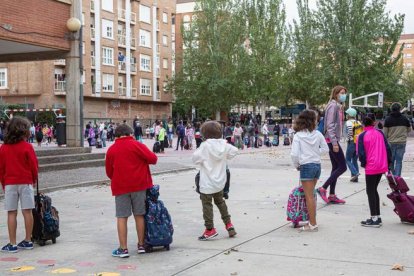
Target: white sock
pixel 374 218
pixel 313 226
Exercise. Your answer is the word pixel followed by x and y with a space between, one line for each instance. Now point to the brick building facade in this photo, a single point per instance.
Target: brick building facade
pixel 128 51
pixel 408 51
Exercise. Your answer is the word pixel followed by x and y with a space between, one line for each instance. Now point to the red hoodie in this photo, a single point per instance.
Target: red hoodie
pixel 18 164
pixel 127 165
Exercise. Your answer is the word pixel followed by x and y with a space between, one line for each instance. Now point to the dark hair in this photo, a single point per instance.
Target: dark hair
pixel 211 130
pixel 18 129
pixel 368 121
pixel 395 107
pixel 306 120
pixel 123 130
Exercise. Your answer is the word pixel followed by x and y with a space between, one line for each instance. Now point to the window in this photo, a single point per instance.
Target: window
pixel 108 83
pixel 145 14
pixel 83 19
pixel 145 63
pixel 3 78
pixel 164 86
pixel 108 5
pixel 107 56
pixel 84 76
pixel 145 87
pixel 408 56
pixel 107 29
pixel 408 45
pixel 165 40
pixel 165 63
pixel 144 38
pixel 165 17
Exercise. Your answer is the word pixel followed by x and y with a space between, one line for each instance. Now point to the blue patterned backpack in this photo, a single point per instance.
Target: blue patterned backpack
pixel 297 210
pixel 158 225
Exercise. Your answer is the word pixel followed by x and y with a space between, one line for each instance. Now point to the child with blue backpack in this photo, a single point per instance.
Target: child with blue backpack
pixel 307 148
pixel 212 156
pixel 127 165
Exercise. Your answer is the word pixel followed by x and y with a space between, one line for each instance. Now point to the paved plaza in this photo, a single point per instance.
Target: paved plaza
pixel 265 244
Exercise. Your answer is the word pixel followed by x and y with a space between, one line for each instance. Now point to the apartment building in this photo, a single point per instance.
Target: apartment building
pixel 408 51
pixel 127 54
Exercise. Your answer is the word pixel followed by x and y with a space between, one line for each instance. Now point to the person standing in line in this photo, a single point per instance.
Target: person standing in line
pixel 375 155
pixel 189 133
pixel 170 133
pixel 353 129
pixel 307 148
pixel 212 158
pixel 396 130
pixel 333 122
pixel 180 130
pixel 104 136
pixel 147 131
pixel 18 175
pixel 138 132
pixel 265 132
pixel 161 138
pixel 32 133
pixel 276 131
pixel 238 132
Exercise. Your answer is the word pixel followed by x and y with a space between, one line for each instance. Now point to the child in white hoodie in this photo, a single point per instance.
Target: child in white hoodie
pixel 307 148
pixel 212 156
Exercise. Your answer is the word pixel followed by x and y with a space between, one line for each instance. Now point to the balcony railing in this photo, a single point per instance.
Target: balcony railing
pixel 158 25
pixel 157 95
pixel 134 93
pixel 92 33
pixel 121 15
pixel 60 86
pixel 121 66
pixel 92 61
pixel 158 48
pixel 61 62
pixel 133 68
pixel 121 91
pixel 133 18
pixel 133 43
pixel 121 41
pixel 92 5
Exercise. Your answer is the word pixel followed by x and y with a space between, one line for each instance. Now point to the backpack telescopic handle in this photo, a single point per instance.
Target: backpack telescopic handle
pixel 393 178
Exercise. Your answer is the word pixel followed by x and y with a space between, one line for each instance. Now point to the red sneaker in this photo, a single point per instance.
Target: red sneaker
pixel 208 234
pixel 335 200
pixel 322 193
pixel 231 230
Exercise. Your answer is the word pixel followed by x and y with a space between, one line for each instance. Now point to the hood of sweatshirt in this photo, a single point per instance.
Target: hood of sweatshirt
pixel 216 147
pixel 307 137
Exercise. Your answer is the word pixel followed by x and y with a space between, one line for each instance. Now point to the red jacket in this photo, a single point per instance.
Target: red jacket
pixel 18 164
pixel 127 165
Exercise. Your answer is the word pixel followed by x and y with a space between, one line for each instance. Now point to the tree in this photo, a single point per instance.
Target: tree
pixel 358 39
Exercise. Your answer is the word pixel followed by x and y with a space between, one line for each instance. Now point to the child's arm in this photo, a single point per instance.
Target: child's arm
pixel 323 146
pixel 232 151
pixel 108 165
pixel 295 153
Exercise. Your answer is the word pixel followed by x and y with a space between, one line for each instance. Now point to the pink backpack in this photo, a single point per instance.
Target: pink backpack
pixel 296 208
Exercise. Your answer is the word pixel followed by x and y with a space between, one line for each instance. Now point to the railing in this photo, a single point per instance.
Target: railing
pixel 60 86
pixel 121 14
pixel 92 33
pixel 61 62
pixel 133 68
pixel 122 91
pixel 134 93
pixel 158 25
pixel 121 41
pixel 92 61
pixel 92 5
pixel 133 18
pixel 133 43
pixel 121 66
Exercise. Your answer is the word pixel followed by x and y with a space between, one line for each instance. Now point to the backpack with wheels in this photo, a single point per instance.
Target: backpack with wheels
pixel 45 219
pixel 275 141
pixel 404 204
pixel 99 143
pixel 286 141
pixel 157 147
pixel 297 211
pixel 159 229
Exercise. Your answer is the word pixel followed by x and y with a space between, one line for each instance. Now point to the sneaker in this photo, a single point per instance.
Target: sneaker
pixel 335 200
pixel 25 245
pixel 141 249
pixel 371 223
pixel 208 234
pixel 121 253
pixel 322 193
pixel 380 221
pixel 354 178
pixel 9 248
pixel 231 230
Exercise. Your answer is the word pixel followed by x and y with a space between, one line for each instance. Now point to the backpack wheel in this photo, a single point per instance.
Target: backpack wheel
pixel 167 247
pixel 42 242
pixel 149 249
pixel 54 240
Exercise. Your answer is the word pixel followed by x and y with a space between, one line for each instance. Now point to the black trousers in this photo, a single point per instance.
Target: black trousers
pixel 372 182
pixel 180 141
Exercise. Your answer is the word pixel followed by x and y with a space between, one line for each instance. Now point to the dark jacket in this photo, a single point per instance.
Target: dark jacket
pixel 396 128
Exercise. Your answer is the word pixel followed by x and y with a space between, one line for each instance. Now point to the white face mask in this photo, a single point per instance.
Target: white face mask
pixel 342 98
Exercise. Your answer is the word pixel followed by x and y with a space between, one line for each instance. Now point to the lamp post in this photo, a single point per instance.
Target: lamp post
pixel 74 86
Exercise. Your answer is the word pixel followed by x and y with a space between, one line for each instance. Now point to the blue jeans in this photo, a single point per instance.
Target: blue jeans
pixel 310 171
pixel 352 158
pixel 397 151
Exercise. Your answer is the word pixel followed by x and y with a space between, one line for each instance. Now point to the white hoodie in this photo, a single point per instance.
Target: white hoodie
pixel 307 147
pixel 212 156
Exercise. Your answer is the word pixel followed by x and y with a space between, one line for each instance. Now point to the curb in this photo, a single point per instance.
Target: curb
pixel 102 182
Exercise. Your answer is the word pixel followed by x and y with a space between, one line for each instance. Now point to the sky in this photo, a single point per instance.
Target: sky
pixel 394 6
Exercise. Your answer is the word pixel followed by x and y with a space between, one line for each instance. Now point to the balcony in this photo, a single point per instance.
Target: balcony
pixel 60 87
pixel 157 95
pixel 92 61
pixel 133 18
pixel 158 72
pixel 122 91
pixel 158 47
pixel 92 6
pixel 121 15
pixel 92 33
pixel 121 41
pixel 158 25
pixel 60 62
pixel 121 66
pixel 133 43
pixel 133 68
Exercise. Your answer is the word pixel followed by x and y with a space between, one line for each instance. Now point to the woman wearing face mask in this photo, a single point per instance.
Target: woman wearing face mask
pixel 333 125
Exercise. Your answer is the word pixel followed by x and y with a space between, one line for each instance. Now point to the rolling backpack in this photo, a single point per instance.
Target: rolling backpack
pixel 404 204
pixel 296 210
pixel 157 147
pixel 159 229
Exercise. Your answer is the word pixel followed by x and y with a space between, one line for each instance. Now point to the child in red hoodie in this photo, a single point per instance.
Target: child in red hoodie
pixel 127 165
pixel 18 173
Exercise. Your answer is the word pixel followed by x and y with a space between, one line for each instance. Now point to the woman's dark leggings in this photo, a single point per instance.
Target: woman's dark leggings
pixel 338 167
pixel 372 182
